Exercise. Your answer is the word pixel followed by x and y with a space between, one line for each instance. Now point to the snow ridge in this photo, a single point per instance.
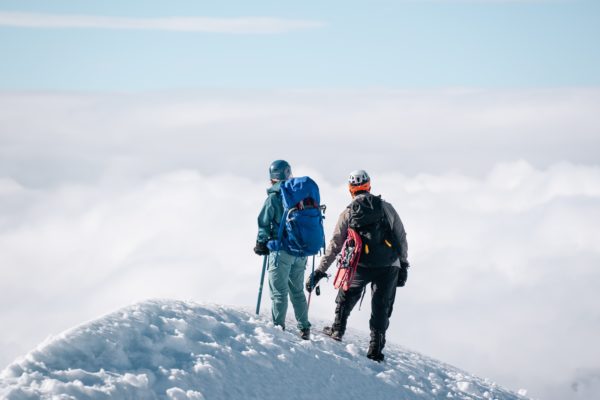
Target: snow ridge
pixel 165 349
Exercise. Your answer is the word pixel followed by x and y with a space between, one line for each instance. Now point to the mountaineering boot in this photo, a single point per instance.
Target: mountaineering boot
pixel 376 345
pixel 334 334
pixel 305 333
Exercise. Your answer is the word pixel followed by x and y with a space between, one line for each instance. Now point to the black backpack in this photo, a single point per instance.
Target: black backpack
pixel 368 219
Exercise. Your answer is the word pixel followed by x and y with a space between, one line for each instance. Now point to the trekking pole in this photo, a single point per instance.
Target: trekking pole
pixel 260 288
pixel 312 282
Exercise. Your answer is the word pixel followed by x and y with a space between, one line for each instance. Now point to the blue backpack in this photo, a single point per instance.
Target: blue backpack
pixel 301 230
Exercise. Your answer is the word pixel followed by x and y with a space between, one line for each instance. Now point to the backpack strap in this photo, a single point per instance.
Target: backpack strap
pixel 284 217
pixel 392 236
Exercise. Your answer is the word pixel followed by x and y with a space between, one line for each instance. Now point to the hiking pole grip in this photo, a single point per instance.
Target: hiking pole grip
pixel 262 280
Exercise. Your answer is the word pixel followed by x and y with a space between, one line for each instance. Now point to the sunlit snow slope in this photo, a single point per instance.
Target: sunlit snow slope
pixel 180 350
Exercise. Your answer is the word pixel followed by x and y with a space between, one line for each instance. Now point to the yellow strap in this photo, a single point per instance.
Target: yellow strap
pixel 366 249
pixel 388 243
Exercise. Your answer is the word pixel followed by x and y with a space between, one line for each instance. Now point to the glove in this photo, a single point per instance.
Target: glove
pixel 403 274
pixel 261 249
pixel 313 279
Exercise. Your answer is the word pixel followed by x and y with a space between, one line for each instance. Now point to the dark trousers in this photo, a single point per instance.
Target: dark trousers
pixel 383 292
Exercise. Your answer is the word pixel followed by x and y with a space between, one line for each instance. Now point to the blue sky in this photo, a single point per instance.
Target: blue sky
pixel 397 44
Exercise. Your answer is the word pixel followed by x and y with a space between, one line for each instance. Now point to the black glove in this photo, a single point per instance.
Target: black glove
pixel 261 249
pixel 313 279
pixel 403 274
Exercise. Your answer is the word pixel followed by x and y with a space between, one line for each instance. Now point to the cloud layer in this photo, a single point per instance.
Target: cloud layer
pixel 504 267
pixel 245 25
pixel 109 199
pixel 465 131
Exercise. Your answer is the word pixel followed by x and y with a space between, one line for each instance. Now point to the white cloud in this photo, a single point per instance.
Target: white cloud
pixel 502 272
pixel 107 199
pixel 52 137
pixel 242 25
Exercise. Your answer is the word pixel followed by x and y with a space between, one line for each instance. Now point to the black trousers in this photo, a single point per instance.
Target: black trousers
pixel 383 293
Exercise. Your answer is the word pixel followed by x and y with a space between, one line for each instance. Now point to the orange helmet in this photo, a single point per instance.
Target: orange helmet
pixel 359 181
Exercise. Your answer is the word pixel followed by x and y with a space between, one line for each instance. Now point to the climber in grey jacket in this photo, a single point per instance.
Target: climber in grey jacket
pixel 383 262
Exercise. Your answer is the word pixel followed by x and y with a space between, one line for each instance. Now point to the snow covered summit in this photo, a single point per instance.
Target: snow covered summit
pixel 180 350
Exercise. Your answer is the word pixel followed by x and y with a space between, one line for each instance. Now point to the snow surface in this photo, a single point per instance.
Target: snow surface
pixel 165 349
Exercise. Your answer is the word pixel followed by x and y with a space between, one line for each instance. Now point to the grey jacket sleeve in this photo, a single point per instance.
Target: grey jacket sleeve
pixel 337 241
pixel 398 229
